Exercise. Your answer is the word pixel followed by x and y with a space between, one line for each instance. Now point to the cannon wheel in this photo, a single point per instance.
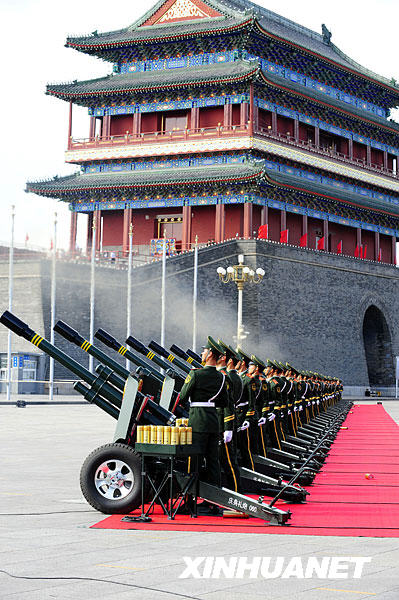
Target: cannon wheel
pixel 110 479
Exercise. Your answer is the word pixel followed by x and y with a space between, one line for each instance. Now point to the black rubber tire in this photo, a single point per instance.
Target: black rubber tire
pixel 94 497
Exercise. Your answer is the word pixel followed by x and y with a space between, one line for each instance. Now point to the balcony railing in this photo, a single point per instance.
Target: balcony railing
pixel 329 152
pixel 222 131
pixel 151 137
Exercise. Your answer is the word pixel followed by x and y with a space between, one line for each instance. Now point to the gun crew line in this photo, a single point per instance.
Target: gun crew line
pixel 240 407
pixel 259 427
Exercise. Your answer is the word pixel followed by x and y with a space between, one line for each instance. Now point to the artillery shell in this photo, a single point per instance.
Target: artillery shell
pixel 174 436
pixel 185 422
pixel 146 434
pixel 140 431
pixel 189 435
pixel 166 434
pixel 182 434
pixel 153 434
pixel 179 422
pixel 159 434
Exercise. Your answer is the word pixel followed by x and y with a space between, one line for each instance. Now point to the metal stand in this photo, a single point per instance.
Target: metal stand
pixel 178 489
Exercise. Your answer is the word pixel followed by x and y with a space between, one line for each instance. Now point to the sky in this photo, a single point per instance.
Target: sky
pixel 35 126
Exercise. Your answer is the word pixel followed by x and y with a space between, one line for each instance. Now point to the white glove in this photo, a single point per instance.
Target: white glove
pixel 317 401
pixel 262 421
pixel 227 436
pixel 289 412
pixel 271 417
pixel 301 407
pixel 313 402
pixel 245 425
pixel 295 408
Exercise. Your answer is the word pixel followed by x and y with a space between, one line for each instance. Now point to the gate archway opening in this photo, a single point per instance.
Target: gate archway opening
pixel 378 348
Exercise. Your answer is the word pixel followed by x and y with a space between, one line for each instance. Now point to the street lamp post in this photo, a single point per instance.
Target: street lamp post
pixel 240 274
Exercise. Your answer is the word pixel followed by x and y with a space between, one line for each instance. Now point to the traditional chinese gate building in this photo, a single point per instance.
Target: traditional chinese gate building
pixel 221 116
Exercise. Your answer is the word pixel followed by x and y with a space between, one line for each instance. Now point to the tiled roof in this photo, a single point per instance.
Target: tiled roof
pixel 163 79
pixel 340 104
pixel 236 12
pixel 144 179
pixel 312 187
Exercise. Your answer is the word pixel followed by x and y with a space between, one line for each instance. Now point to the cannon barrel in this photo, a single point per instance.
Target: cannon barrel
pixel 107 339
pixel 140 347
pixel 93 397
pixel 75 338
pixel 23 330
pixel 169 357
pixel 185 356
pixel 194 355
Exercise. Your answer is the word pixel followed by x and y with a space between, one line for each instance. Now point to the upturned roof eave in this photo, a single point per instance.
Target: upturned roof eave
pixel 299 185
pixel 133 83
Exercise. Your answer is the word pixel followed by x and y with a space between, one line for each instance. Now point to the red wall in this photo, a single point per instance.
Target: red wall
pixel 314 226
pixel 346 234
pixel 386 247
pixel 368 239
pixel 274 225
pixel 294 225
pixel 233 220
pixel 265 118
pixel 256 218
pixel 359 150
pixel 112 227
pixel 210 117
pixel 306 132
pixel 151 122
pixel 377 157
pixel 203 223
pixel 236 114
pixel 121 123
pixel 285 125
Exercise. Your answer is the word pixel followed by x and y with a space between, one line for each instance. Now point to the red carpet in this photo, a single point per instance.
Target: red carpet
pixel 342 501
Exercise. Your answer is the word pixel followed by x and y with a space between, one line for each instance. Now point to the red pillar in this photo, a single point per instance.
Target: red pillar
pixel 376 245
pixel 283 220
pixel 305 229
pixel 325 235
pixel 106 126
pixel 127 219
pixel 136 123
pixel 244 115
pixel 393 250
pixel 350 145
pixel 228 116
pixel 296 130
pixel 186 235
pixel 89 232
pixel 248 212
pixel 317 136
pixel 385 159
pixel 92 128
pixel 222 227
pixel 264 216
pixel 274 122
pixel 70 124
pixel 358 237
pixel 72 233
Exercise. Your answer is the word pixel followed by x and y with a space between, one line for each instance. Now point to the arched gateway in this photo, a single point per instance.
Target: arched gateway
pixel 378 348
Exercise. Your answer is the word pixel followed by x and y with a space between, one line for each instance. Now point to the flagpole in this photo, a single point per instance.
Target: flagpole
pixel 10 299
pixel 129 290
pixel 195 294
pixel 52 310
pixel 163 290
pixel 92 286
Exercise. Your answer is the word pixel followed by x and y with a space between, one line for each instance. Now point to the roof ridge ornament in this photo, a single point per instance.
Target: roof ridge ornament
pixel 326 35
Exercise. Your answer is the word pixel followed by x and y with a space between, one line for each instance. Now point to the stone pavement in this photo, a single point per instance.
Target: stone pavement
pixel 47 549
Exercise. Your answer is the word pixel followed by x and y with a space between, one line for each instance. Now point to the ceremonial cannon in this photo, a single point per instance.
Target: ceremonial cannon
pixel 110 477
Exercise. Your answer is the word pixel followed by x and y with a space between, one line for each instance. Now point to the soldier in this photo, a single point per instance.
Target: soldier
pixel 256 368
pixel 207 389
pixel 246 413
pixel 227 419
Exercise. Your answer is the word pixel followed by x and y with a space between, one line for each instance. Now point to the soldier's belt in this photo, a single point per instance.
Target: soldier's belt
pixel 265 408
pixel 202 404
pixel 250 413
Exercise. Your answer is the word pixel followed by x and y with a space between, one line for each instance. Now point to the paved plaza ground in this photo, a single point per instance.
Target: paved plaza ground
pixel 48 551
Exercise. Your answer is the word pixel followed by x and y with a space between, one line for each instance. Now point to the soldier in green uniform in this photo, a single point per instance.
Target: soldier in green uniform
pixel 227 419
pixel 246 413
pixel 255 370
pixel 207 389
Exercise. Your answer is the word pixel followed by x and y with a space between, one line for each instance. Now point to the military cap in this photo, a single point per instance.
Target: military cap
pixel 243 356
pixel 258 362
pixel 270 363
pixel 228 351
pixel 211 344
